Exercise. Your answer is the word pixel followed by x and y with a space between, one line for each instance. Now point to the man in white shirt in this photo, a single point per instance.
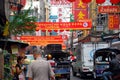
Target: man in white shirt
pixel 40 69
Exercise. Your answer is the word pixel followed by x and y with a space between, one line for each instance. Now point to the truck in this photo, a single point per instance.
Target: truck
pixel 61 65
pixel 52 47
pixel 84 58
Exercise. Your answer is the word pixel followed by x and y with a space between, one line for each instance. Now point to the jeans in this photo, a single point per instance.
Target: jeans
pixel 106 75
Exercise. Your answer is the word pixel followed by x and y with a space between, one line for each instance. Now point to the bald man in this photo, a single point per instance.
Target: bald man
pixel 40 69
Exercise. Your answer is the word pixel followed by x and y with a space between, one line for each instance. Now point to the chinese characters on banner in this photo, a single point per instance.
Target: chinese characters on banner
pixel 113 16
pixel 82 24
pixel 43 40
pixel 108 9
pixel 80 10
pixel 113 22
pixel 61 8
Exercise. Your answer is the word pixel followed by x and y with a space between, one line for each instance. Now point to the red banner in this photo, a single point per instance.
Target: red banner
pixel 59 2
pixel 43 40
pixel 80 10
pixel 113 22
pixel 82 24
pixel 45 43
pixel 81 14
pixel 109 9
pixel 39 38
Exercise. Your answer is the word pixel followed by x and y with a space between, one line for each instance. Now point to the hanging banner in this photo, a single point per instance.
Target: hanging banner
pixel 45 38
pixel 109 9
pixel 59 2
pixel 81 25
pixel 80 10
pixel 113 22
pixel 44 44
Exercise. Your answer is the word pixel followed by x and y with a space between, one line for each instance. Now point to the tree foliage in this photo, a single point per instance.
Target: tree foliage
pixel 21 23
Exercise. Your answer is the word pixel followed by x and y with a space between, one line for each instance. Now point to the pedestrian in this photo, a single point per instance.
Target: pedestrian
pixel 40 69
pixel 114 67
pixel 19 73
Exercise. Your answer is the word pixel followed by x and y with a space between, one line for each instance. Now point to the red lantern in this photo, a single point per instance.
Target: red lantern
pixel 43 30
pixel 37 29
pixel 55 30
pixel 100 1
pixel 86 1
pixel 49 30
pixel 61 30
pixel 67 30
pixel 71 0
pixel 114 1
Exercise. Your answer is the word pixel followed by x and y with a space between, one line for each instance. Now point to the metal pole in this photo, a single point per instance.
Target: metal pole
pixel 71 43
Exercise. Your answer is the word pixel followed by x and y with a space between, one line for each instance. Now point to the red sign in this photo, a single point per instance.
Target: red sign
pixel 82 24
pixel 59 2
pixel 113 22
pixel 81 14
pixel 43 40
pixel 80 10
pixel 109 9
pixel 37 38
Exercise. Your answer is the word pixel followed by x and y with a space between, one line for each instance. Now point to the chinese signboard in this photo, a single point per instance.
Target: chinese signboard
pixel 80 10
pixel 43 40
pixel 59 2
pixel 82 24
pixel 61 8
pixel 113 22
pixel 109 9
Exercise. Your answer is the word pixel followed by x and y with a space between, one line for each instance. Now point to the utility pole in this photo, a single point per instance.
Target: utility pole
pixel 71 42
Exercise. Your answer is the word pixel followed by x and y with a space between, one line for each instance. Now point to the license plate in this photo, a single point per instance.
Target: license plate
pixel 57 75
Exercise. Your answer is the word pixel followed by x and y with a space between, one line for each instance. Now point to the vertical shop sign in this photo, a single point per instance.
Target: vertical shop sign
pixel 110 22
pixel 80 10
pixel 113 22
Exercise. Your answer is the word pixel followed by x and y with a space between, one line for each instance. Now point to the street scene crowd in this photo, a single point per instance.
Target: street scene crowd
pixel 59 39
